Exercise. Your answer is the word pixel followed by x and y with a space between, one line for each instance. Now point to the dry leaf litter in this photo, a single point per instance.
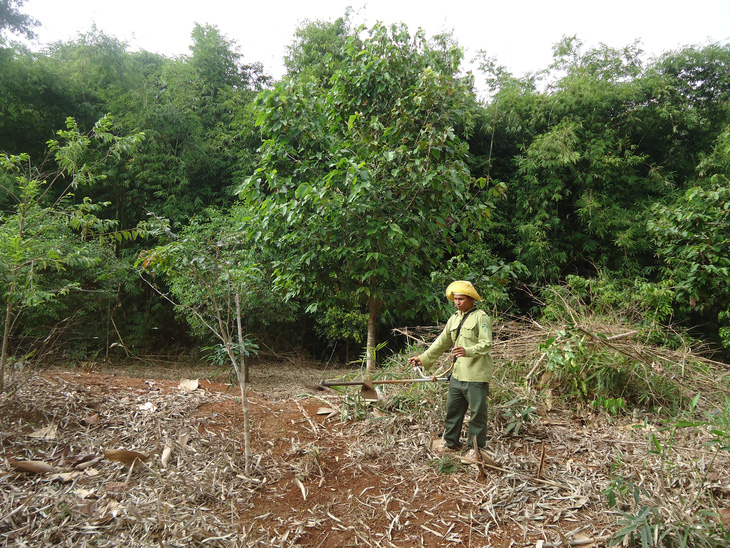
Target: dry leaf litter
pixel 96 459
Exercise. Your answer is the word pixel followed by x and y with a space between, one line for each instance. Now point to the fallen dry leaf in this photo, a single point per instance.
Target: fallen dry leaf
pixel 85 461
pixel 329 411
pixel 580 503
pixel 166 452
pixel 116 486
pixel 183 436
pixel 83 493
pixel 436 444
pixel 31 466
pixel 65 477
pixel 91 420
pixel 301 487
pixel 85 506
pixel 125 457
pixel 582 539
pixel 87 464
pixel 188 385
pixel 47 433
pixel 110 511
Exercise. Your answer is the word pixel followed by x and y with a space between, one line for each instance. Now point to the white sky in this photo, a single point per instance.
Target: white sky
pixel 519 33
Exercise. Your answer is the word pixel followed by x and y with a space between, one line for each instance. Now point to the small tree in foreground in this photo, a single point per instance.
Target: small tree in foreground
pixel 208 270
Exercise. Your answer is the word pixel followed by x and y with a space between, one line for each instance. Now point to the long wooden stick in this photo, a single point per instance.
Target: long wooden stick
pixel 384 381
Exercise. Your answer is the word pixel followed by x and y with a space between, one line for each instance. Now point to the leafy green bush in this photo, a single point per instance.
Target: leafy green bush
pixel 580 367
pixel 217 354
pixel 517 416
pixel 445 465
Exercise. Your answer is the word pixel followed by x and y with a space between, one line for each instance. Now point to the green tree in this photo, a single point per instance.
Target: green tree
pixel 586 158
pixel 363 182
pixel 40 235
pixel 14 21
pixel 682 107
pixel 195 114
pixel 36 96
pixel 212 272
pixel 318 48
pixel 693 240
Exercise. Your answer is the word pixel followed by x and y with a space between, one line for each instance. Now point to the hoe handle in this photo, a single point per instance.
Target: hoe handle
pixel 385 381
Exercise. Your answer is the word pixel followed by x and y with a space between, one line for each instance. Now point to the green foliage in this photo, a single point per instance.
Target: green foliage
pixel 13 20
pixel 719 425
pixel 318 48
pixel 353 408
pixel 205 265
pixel 218 355
pixel 648 527
pixel 646 520
pixel 647 305
pixel 650 522
pixel 693 239
pixel 380 178
pixel 694 236
pixel 445 465
pixel 49 240
pixel 186 107
pixel 582 368
pixel 363 183
pixel 517 416
pixel 614 406
pixel 341 323
pixel 36 97
pixel 587 159
pixel 491 275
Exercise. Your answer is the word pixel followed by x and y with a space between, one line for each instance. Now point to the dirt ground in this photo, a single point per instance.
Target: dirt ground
pixel 327 469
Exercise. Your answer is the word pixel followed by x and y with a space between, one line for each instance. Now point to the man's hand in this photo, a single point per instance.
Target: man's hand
pixel 415 362
pixel 459 352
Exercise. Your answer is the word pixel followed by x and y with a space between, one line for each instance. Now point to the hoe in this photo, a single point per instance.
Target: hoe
pixel 367 390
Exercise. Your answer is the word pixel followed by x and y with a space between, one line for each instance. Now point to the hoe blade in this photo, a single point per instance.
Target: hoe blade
pixel 367 392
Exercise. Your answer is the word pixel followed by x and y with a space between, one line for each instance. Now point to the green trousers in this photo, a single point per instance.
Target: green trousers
pixel 463 395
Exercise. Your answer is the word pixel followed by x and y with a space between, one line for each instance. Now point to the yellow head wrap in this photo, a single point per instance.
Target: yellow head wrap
pixel 462 288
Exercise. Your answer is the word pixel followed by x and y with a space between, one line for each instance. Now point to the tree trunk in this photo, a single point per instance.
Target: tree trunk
pixel 240 373
pixel 373 305
pixel 246 367
pixel 6 342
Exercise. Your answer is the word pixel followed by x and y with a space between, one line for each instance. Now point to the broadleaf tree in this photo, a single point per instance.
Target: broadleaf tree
pixel 692 238
pixel 362 182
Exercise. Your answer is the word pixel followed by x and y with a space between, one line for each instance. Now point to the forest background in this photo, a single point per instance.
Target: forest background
pixel 140 193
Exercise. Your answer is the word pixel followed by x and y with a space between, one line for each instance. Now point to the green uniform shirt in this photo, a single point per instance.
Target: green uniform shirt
pixel 476 338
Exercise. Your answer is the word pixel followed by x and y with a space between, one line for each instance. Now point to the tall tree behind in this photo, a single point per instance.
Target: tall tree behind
pixel 362 182
pixel 318 48
pixel 14 21
pixel 35 99
pixel 195 148
pixel 589 155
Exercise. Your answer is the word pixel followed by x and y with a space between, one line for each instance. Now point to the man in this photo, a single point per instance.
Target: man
pixel 469 329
